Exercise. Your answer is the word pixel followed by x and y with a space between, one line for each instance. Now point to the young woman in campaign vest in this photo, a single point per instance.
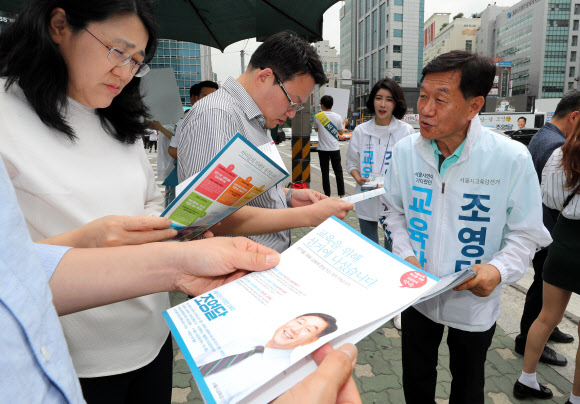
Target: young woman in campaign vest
pixel 370 149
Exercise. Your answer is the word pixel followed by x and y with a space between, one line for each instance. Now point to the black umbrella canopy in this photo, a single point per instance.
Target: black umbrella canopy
pixel 219 23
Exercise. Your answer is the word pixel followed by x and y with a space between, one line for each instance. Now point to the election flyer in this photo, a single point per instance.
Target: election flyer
pixel 250 340
pixel 364 195
pixel 236 175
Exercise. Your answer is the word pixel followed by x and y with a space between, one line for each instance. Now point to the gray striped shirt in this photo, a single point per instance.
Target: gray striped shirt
pixel 211 123
pixel 553 192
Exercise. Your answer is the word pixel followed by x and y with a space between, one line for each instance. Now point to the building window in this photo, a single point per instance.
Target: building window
pixel 367 33
pixel 573 56
pixel 397 48
pixel 387 34
pixel 397 79
pixel 397 64
pixel 574 40
pixel 468 45
pixel 575 25
pixel 374 30
pixel 382 24
pixel 361 39
pixel 398 2
pixel 571 85
pixel 325 66
pixel 398 33
pixel 398 17
pixel 572 71
pixel 576 9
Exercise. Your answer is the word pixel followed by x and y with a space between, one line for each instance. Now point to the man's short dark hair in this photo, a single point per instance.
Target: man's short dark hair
pixel 523 117
pixel 477 72
pixel 396 92
pixel 205 84
pixel 331 321
pixel 288 56
pixel 194 91
pixel 327 101
pixel 570 102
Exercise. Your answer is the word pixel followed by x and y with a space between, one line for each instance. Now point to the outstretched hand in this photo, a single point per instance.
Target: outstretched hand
pixel 325 208
pixel 207 264
pixel 306 197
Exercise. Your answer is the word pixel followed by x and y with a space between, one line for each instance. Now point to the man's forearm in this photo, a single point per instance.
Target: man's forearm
pixel 253 221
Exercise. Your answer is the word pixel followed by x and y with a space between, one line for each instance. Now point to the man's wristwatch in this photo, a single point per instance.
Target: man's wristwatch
pixel 289 197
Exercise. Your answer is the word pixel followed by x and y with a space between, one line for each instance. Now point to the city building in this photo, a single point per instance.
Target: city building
pixel 347 40
pixel 538 40
pixel 330 64
pixel 441 36
pixel 385 40
pixel 190 62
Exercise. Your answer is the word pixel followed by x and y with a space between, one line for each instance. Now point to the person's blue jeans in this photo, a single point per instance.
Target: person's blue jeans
pixel 370 229
pixel 169 194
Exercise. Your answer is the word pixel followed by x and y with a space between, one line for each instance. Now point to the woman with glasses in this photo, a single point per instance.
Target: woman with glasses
pixel 71 117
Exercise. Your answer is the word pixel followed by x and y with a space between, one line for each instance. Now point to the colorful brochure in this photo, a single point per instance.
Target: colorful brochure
pixel 249 340
pixel 236 175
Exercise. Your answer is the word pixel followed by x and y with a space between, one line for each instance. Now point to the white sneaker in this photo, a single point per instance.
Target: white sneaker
pixel 397 321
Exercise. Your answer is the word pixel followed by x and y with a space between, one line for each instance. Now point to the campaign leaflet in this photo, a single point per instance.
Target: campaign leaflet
pixel 236 175
pixel 327 286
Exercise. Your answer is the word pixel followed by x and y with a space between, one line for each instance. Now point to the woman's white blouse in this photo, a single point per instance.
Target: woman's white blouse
pixel 554 193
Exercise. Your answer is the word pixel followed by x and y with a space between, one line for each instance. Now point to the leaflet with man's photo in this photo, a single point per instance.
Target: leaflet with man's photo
pixel 327 286
pixel 236 175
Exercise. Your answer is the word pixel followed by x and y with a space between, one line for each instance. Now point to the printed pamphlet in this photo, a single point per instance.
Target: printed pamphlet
pixel 236 175
pixel 250 340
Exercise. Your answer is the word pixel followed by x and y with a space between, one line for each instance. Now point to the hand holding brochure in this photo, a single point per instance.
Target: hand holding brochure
pixel 236 175
pixel 332 285
pixel 449 282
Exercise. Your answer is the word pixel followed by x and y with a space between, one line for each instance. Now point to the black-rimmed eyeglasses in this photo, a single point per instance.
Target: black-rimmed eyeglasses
pixel 293 106
pixel 120 57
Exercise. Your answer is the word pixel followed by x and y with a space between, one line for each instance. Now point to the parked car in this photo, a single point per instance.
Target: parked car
pixel 345 136
pixel 313 141
pixel 524 135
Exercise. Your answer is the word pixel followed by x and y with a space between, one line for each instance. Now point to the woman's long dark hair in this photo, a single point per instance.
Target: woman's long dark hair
pixel 571 158
pixel 29 58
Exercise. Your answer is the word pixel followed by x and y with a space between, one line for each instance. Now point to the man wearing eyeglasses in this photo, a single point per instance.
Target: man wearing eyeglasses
pixel 279 79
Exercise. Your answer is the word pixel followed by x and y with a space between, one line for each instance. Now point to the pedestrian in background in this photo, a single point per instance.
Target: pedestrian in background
pixel 560 189
pixel 329 126
pixel 152 140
